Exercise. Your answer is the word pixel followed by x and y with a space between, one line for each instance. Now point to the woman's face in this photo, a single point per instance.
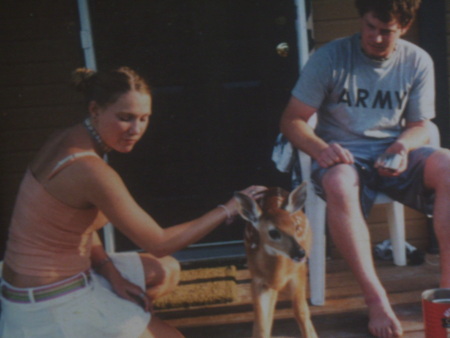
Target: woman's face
pixel 122 123
pixel 378 38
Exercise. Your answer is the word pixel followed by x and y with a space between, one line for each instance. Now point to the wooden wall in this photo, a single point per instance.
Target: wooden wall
pixel 447 20
pixel 40 47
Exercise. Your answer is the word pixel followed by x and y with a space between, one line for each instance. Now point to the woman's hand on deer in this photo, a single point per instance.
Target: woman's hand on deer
pixel 255 192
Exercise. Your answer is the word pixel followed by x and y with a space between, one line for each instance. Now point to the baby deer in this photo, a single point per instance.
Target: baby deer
pixel 277 242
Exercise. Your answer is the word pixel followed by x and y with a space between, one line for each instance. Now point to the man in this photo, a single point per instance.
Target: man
pixel 374 94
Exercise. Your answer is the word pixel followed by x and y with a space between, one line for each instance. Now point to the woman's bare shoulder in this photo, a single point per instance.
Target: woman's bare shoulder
pixel 76 183
pixel 57 146
pixel 68 167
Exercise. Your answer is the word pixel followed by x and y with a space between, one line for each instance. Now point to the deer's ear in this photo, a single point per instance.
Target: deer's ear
pixel 247 207
pixel 296 199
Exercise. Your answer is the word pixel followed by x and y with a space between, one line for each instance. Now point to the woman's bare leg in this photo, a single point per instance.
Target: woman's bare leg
pixel 160 329
pixel 161 277
pixel 161 274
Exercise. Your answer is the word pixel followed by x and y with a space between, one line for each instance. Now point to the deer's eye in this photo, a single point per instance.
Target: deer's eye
pixel 274 234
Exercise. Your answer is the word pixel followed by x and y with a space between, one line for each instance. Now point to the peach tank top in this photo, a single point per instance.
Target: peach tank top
pixel 46 236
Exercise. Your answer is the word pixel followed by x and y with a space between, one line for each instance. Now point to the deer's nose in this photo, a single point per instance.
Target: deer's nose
pixel 298 254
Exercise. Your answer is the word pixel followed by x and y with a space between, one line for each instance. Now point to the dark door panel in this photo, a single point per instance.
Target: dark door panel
pixel 219 87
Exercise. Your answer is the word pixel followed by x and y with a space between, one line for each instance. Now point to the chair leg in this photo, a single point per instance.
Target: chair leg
pixel 396 220
pixel 315 211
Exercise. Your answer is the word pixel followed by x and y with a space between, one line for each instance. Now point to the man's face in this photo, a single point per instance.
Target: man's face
pixel 378 38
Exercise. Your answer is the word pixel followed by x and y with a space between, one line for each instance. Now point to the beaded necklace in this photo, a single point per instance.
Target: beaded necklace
pixel 94 134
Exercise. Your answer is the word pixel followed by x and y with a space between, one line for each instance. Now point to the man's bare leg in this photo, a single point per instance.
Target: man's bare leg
pixel 437 177
pixel 351 236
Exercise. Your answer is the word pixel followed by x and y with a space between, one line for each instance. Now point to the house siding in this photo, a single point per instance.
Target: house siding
pixel 447 20
pixel 40 47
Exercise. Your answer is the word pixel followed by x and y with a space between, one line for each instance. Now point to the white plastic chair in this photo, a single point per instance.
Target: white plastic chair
pixel 315 210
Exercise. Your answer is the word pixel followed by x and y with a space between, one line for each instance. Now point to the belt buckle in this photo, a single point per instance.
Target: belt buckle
pixel 87 278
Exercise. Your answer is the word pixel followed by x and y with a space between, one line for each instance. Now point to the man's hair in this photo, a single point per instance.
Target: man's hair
pixel 404 11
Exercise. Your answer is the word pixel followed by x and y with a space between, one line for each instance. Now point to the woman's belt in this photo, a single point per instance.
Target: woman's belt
pixel 47 292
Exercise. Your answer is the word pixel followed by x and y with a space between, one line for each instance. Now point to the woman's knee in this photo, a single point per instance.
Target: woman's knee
pixel 160 271
pixel 173 269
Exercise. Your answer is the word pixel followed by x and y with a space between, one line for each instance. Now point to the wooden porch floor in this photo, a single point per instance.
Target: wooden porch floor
pixel 343 315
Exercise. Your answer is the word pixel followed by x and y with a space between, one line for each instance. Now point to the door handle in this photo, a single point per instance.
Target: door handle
pixel 283 49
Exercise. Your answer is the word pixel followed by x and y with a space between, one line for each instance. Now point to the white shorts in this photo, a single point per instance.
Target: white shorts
pixel 94 311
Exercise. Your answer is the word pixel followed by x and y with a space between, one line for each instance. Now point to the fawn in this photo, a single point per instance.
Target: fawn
pixel 277 242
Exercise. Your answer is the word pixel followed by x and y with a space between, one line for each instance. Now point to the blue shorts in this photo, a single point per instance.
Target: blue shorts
pixel 407 188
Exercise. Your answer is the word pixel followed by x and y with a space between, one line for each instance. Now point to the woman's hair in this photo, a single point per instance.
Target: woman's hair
pixel 404 11
pixel 105 87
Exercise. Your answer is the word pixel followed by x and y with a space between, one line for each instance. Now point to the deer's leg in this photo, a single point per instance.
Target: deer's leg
pixel 300 304
pixel 264 300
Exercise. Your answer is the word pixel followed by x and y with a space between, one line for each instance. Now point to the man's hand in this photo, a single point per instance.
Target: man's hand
pixel 334 154
pixel 397 148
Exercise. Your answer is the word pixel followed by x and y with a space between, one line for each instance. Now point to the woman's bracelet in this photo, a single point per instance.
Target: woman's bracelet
pixel 229 217
pixel 102 263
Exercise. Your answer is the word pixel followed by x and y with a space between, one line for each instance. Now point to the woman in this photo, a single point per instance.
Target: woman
pixel 57 279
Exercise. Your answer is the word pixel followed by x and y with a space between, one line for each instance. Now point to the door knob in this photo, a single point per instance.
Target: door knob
pixel 283 49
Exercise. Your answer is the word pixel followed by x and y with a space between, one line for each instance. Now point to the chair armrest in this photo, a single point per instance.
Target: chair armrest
pixel 435 137
pixel 305 164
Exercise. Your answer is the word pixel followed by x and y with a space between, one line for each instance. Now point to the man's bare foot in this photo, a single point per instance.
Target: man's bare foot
pixel 383 322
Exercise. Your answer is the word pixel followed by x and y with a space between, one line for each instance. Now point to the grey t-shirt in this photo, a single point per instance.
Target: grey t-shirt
pixel 360 99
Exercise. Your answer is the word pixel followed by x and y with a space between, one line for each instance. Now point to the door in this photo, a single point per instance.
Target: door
pixel 219 87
